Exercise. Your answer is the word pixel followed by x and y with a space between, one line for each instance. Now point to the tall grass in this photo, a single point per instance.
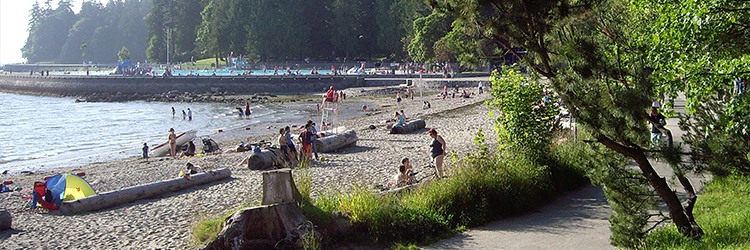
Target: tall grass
pixel 483 187
pixel 722 211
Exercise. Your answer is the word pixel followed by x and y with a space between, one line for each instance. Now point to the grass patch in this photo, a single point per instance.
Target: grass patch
pixel 722 211
pixel 483 187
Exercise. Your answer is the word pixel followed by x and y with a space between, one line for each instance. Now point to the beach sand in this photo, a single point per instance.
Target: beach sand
pixel 166 221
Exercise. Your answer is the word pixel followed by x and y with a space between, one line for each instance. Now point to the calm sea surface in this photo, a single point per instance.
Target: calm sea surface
pixel 42 133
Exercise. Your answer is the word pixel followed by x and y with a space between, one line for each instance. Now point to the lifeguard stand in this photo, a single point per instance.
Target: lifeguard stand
pixel 330 112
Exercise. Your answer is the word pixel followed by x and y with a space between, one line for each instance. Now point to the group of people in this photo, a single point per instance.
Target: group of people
pixel 188 115
pixel 172 139
pixel 438 150
pixel 247 112
pixel 310 132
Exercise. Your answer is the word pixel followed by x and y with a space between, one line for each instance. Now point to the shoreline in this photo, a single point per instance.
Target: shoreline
pixel 166 221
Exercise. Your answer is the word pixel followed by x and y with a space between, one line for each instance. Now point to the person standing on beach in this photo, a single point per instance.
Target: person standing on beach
pixel 480 87
pixel 290 143
pixel 314 130
pixel 145 150
pixel 173 112
pixel 172 142
pixel 190 115
pixel 438 149
pixel 398 99
pixel 306 139
pixel 184 114
pixel 284 142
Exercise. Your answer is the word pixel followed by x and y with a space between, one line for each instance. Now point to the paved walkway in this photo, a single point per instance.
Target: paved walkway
pixel 577 220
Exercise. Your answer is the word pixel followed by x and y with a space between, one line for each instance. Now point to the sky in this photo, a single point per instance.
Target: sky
pixel 14 22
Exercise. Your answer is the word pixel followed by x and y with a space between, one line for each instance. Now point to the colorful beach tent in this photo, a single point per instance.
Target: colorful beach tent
pixel 62 187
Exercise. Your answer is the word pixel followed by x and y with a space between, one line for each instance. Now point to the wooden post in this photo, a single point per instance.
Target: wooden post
pixel 409 127
pixel 335 142
pixel 122 196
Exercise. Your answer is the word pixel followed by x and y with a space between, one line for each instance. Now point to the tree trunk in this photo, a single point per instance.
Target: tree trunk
pixel 261 228
pixel 336 142
pixel 266 159
pixel 122 196
pixel 279 187
pixel 409 127
pixel 676 211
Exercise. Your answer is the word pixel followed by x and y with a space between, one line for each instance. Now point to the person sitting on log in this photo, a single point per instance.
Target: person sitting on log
pixel 399 119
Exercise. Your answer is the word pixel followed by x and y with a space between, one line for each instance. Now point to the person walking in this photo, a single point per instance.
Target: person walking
pixel 438 149
pixel 190 115
pixel 656 117
pixel 173 112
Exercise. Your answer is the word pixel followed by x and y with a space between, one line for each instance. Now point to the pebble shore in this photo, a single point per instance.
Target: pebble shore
pixel 166 221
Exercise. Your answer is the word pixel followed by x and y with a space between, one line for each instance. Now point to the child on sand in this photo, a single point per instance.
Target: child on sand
pixel 405 174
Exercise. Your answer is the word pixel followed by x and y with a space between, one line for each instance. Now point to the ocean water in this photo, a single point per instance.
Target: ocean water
pixel 44 133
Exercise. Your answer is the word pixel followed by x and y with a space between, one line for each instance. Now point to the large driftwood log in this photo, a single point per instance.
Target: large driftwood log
pixel 409 127
pixel 122 196
pixel 335 142
pixel 279 187
pixel 265 159
pixel 6 220
pixel 262 228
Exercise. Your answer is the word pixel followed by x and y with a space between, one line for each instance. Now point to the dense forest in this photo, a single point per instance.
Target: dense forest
pixel 261 30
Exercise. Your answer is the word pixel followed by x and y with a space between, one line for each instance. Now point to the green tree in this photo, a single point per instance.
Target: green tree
pixel 353 31
pixel 591 53
pixel 49 30
pixel 124 54
pixel 428 30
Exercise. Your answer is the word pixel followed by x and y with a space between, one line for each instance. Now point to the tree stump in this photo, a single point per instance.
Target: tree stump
pixel 264 227
pixel 409 127
pixel 265 159
pixel 6 220
pixel 336 142
pixel 125 195
pixel 261 228
pixel 279 187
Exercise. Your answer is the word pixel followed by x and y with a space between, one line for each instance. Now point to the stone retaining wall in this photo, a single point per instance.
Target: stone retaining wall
pixel 83 85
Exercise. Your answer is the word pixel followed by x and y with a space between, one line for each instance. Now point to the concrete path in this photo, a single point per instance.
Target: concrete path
pixel 577 220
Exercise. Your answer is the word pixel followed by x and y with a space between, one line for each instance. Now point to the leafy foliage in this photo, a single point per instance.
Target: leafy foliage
pixel 526 118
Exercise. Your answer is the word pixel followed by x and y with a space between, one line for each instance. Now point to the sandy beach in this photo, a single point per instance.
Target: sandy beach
pixel 165 222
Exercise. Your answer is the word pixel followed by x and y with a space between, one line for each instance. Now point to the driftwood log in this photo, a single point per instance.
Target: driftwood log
pixel 122 196
pixel 265 159
pixel 336 142
pixel 409 127
pixel 6 220
pixel 278 223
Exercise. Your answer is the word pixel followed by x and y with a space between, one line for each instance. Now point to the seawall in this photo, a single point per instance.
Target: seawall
pixel 127 85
